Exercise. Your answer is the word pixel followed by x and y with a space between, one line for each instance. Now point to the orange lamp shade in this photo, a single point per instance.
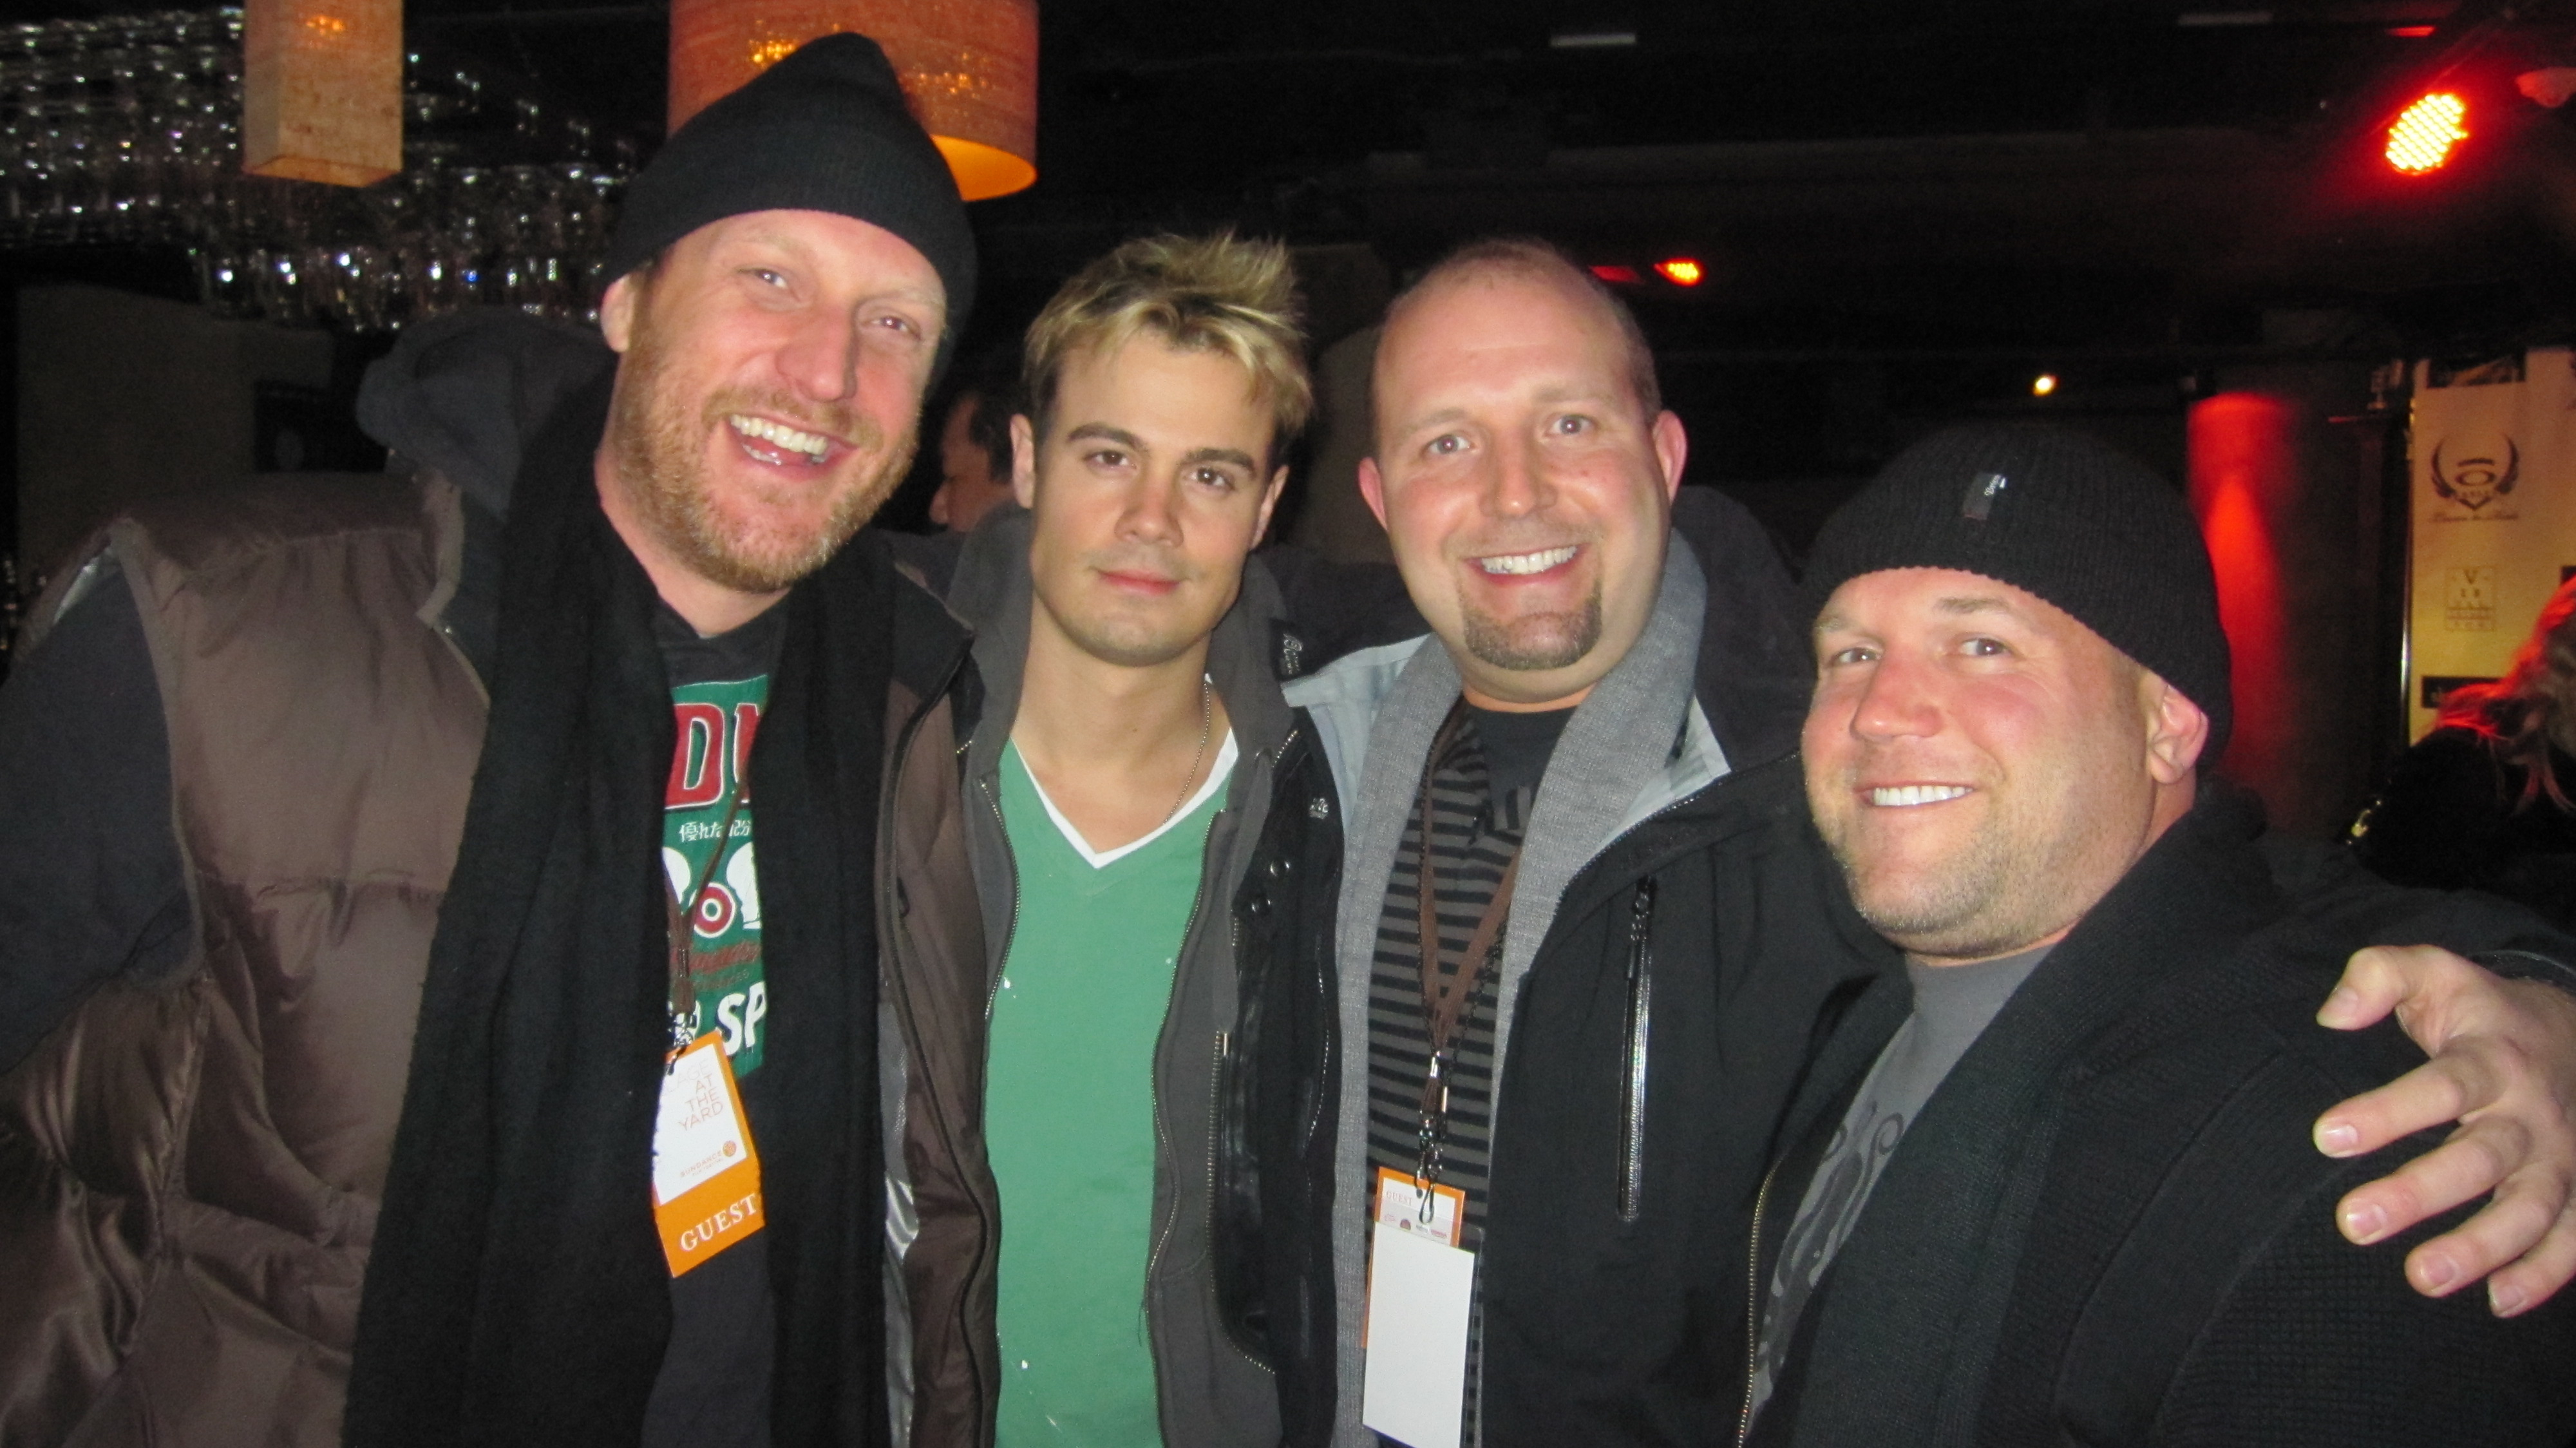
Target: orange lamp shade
pixel 969 68
pixel 322 89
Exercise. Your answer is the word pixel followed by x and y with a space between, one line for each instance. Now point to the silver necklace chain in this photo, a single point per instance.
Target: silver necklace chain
pixel 1207 725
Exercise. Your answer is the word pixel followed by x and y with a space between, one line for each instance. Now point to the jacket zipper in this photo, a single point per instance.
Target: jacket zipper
pixel 1010 930
pixel 1753 1308
pixel 992 994
pixel 1641 1000
pixel 1154 1087
pixel 1216 1106
pixel 1163 1135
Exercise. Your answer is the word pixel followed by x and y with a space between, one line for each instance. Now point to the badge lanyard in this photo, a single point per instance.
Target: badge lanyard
pixel 1444 1002
pixel 683 998
pixel 706 1173
pixel 1422 1278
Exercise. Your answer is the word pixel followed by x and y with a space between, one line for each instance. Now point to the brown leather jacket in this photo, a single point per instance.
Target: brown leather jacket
pixel 190 1167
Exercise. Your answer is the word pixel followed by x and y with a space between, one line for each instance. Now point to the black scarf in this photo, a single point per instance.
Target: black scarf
pixel 517 1292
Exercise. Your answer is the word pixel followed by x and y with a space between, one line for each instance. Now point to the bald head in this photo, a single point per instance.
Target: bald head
pixel 1527 259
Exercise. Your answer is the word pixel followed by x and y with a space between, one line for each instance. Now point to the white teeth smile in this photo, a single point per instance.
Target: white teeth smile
pixel 1539 562
pixel 1905 795
pixel 787 437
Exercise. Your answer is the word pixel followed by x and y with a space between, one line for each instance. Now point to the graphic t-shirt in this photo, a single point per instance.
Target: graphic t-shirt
pixel 1069 1111
pixel 1953 1005
pixel 717 877
pixel 714 1385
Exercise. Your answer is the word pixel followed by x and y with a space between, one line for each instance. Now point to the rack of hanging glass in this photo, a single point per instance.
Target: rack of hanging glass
pixel 127 132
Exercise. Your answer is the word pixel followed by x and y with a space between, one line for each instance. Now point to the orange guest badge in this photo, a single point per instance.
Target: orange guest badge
pixel 706 1179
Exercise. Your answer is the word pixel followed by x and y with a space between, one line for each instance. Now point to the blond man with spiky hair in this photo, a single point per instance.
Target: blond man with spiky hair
pixel 1079 1065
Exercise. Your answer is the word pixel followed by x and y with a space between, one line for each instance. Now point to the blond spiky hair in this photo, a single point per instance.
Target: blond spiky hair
pixel 1198 294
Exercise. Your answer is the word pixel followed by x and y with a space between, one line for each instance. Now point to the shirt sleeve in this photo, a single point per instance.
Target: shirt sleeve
pixel 91 879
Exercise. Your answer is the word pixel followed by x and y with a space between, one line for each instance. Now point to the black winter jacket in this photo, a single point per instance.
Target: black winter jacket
pixel 2109 1227
pixel 1703 944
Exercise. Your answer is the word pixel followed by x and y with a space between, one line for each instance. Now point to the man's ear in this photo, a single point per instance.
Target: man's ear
pixel 1373 489
pixel 1024 460
pixel 617 311
pixel 1672 449
pixel 1269 502
pixel 2177 730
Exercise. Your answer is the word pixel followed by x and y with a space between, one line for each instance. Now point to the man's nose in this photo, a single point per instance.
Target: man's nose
pixel 1151 515
pixel 820 360
pixel 1519 482
pixel 1897 702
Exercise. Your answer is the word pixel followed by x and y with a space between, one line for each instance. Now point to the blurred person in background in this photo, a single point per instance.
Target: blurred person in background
pixel 975 443
pixel 2483 801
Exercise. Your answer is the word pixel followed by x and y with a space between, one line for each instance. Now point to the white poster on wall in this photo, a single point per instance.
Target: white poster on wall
pixel 2493 526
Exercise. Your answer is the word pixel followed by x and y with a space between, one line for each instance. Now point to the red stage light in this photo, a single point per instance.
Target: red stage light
pixel 1681 271
pixel 2421 140
pixel 2410 32
pixel 1623 274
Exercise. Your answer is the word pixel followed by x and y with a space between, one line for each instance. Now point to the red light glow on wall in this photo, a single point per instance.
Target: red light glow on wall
pixel 2422 139
pixel 1681 271
pixel 2244 477
pixel 1622 275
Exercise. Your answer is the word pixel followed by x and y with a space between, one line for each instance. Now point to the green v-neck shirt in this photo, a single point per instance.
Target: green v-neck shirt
pixel 1069 1118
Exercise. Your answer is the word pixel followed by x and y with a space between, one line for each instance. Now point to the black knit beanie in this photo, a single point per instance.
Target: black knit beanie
pixel 2056 514
pixel 823 130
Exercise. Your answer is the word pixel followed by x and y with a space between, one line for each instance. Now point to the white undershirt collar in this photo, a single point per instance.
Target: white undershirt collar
pixel 1226 755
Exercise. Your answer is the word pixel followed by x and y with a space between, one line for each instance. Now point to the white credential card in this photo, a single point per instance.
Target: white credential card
pixel 695 1132
pixel 1420 1294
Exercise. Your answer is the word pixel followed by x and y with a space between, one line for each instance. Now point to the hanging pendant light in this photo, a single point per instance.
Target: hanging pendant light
pixel 322 89
pixel 969 67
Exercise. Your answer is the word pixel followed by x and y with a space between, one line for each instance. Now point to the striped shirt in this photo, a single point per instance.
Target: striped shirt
pixel 1473 839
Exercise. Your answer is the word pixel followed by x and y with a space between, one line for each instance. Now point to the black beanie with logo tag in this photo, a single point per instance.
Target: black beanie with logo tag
pixel 2053 513
pixel 824 129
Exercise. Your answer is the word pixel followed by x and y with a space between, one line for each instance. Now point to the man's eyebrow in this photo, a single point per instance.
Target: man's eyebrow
pixel 1106 433
pixel 1440 418
pixel 1237 456
pixel 798 248
pixel 1574 392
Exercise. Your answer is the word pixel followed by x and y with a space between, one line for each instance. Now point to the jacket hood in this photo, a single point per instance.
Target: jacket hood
pixel 463 393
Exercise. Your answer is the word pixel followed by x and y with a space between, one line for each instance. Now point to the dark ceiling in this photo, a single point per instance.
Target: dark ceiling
pixel 2167 180
pixel 1854 172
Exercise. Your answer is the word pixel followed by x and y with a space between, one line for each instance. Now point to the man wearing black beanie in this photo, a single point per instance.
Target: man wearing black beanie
pixel 2060 1190
pixel 635 1190
pixel 396 962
